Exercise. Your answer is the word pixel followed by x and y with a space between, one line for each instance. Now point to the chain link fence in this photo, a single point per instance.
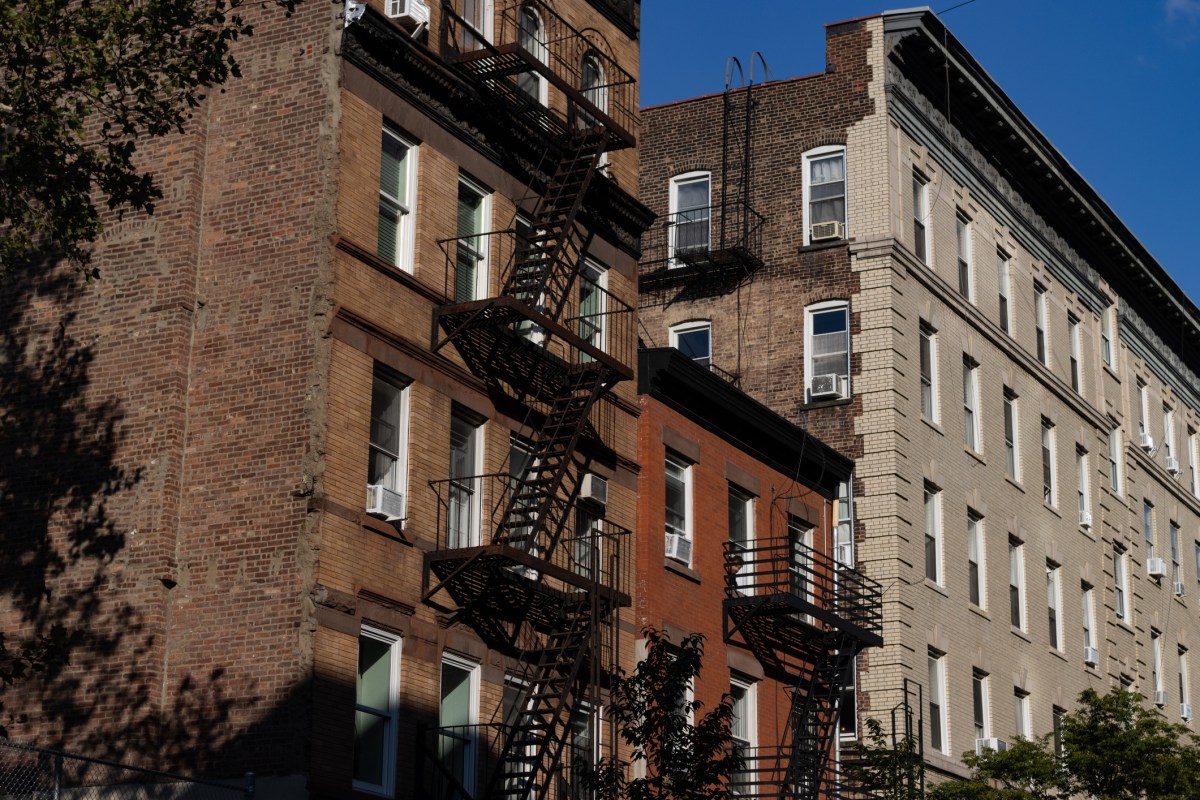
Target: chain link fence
pixel 33 773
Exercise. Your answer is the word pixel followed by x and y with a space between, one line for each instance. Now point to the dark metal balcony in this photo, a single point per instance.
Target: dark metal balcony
pixel 533 43
pixel 722 240
pixel 781 595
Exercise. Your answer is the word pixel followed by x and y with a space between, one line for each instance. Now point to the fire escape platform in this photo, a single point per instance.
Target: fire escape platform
pixel 790 622
pixel 733 261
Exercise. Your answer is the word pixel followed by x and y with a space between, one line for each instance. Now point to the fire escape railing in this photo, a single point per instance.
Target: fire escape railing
pixel 717 237
pixel 557 52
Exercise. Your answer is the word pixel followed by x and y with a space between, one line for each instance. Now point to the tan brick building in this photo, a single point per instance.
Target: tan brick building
pixel 352 418
pixel 906 267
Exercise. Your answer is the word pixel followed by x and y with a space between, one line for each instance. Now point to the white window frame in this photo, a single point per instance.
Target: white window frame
pixel 1021 713
pixel 1107 338
pixel 405 225
pixel 806 160
pixel 1076 358
pixel 396 478
pixel 391 715
pixel 595 274
pixel 1143 407
pixel 1004 282
pixel 971 432
pixel 676 182
pixel 1114 460
pixel 1176 565
pixel 809 313
pixel 1049 464
pixel 1185 687
pixel 937 695
pixel 1193 472
pixel 1122 609
pixel 745 579
pixel 1016 581
pixel 1041 324
pixel 1089 617
pixel 927 345
pixel 1156 663
pixel 843 537
pixel 1054 606
pixel 981 712
pixel 672 458
pixel 1148 529
pixel 692 326
pixel 749 703
pixel 977 554
pixel 484 8
pixel 538 50
pixel 471 483
pixel 473 669
pixel 849 690
pixel 482 268
pixel 965 255
pixel 1082 482
pixel 932 508
pixel 921 214
pixel 1168 431
pixel 1012 434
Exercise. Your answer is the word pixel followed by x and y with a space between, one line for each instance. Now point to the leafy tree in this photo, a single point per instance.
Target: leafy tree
pixel 890 772
pixel 1112 748
pixel 83 83
pixel 682 761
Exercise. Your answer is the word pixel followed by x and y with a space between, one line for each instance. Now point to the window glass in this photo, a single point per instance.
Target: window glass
pixel 395 232
pixel 469 264
pixel 827 188
pixel 694 340
pixel 375 711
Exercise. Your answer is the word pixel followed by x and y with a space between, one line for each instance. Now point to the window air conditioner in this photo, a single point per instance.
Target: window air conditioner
pixel 1147 441
pixel 1185 710
pixel 1085 520
pixel 594 490
pixel 844 554
pixel 1091 656
pixel 1160 698
pixel 827 231
pixel 413 14
pixel 679 548
pixel 1156 567
pixel 383 502
pixel 998 745
pixel 1180 589
pixel 828 387
pixel 1173 465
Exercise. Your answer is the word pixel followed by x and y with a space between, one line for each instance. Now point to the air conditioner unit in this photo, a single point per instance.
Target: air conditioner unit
pixel 1085 520
pixel 844 554
pixel 1091 656
pixel 828 387
pixel 1160 698
pixel 1156 567
pixel 383 502
pixel 998 745
pixel 594 490
pixel 1180 589
pixel 827 231
pixel 413 14
pixel 1173 465
pixel 1185 710
pixel 1147 441
pixel 679 548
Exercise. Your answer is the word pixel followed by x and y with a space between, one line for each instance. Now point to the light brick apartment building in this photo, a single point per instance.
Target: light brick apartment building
pixel 903 265
pixel 336 463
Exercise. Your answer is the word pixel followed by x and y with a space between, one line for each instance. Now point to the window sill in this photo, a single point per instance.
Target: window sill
pixel 981 612
pixel 975 454
pixel 937 587
pixel 832 243
pixel 1015 484
pixel 671 565
pixel 845 401
pixel 935 427
pixel 1111 371
pixel 1020 634
pixel 1054 651
pixel 1124 624
pixel 1053 510
pixel 1089 532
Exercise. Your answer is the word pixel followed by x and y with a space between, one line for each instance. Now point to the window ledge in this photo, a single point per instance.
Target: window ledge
pixel 982 612
pixel 1124 624
pixel 812 248
pixel 845 401
pixel 934 426
pixel 937 587
pixel 671 565
pixel 975 454
pixel 1052 509
pixel 1089 532
pixel 1054 651
pixel 1020 634
pixel 1015 484
pixel 1111 371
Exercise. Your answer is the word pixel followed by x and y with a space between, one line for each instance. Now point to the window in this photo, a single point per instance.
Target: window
pixel 1156 685
pixel 1143 413
pixel 694 340
pixel 1076 355
pixel 976 569
pixel 824 188
pixel 1081 486
pixel 388 465
pixel 466 467
pixel 582 752
pixel 1048 463
pixel 1106 335
pixel 979 704
pixel 1120 582
pixel 594 87
pixel 800 539
pixel 848 704
pixel 531 37
pixel 741 531
pixel 937 702
pixel 478 16
pixel 1057 714
pixel 970 391
pixel 588 552
pixel 1148 527
pixel 1021 713
pixel 929 397
pixel 376 711
pixel 1053 604
pixel 457 714
pixel 743 732
pixel 920 206
pixel 1089 619
pixel 470 263
pixel 933 533
pixel 1176 567
pixel 1168 433
pixel 843 538
pixel 1016 584
pixel 1193 473
pixel 397 193
pixel 593 290
pixel 1185 695
pixel 1114 459
pixel 1196 558
pixel 1039 321
pixel 679 509
pixel 1012 442
pixel 1004 281
pixel 827 346
pixel 962 235
pixel 691 208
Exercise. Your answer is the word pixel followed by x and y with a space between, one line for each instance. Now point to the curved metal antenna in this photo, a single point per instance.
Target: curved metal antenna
pixel 730 63
pixel 766 70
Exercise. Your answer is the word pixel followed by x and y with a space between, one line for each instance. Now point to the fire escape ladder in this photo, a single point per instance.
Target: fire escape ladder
pixel 812 722
pixel 546 271
pixel 534 743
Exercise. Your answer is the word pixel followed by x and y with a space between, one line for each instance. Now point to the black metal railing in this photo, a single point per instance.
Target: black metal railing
pixel 591 549
pixel 792 571
pixel 728 234
pixel 601 323
pixel 29 772
pixel 764 776
pixel 607 95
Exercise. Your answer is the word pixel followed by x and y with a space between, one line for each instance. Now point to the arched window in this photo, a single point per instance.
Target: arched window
pixel 690 218
pixel 531 37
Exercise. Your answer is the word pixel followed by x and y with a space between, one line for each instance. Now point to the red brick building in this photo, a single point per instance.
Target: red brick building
pixel 747 502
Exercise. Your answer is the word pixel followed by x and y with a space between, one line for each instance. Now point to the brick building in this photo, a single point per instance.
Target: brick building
pixel 304 464
pixel 907 268
pixel 747 502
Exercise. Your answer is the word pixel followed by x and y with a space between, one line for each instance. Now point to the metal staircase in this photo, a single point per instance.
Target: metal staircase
pixel 812 724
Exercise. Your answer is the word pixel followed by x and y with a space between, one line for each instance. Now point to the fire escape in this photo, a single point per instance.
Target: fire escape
pixel 525 557
pixel 806 616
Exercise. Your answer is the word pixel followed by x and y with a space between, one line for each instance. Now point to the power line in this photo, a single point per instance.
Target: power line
pixel 951 8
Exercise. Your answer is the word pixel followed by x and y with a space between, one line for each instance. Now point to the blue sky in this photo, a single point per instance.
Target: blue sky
pixel 1114 84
